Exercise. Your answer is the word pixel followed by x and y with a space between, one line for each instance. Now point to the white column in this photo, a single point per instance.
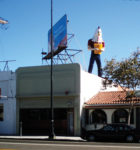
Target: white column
pixel 109 113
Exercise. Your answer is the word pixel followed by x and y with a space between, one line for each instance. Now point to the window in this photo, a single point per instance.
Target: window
pixel 98 116
pixel 108 128
pixel 34 114
pixel 121 128
pixel 42 114
pixel 120 116
pixel 1 113
pixel 128 128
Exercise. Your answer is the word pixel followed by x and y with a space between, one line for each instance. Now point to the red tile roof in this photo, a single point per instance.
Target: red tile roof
pixel 113 97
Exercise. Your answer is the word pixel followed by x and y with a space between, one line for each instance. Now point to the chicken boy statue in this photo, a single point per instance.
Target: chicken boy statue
pixel 97 46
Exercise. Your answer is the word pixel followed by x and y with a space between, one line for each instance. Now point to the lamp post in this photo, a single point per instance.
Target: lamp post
pixel 52 134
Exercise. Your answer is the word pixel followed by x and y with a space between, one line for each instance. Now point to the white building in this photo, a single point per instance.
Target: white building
pixel 72 87
pixel 7 103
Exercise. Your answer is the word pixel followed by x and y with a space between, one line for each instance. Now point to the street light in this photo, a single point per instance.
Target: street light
pixel 52 134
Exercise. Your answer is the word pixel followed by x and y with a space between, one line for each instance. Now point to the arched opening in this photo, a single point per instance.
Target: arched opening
pixel 120 116
pixel 98 116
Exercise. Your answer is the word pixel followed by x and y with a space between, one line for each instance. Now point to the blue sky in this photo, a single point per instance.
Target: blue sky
pixel 29 22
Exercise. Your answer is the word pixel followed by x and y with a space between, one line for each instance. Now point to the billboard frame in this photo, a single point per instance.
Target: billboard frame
pixel 59 37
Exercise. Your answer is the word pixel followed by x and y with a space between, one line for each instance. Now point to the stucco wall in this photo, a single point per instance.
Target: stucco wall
pixel 71 88
pixel 33 89
pixel 8 101
pixel 90 85
pixel 36 80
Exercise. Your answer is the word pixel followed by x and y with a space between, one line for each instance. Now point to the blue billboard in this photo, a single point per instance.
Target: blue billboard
pixel 59 35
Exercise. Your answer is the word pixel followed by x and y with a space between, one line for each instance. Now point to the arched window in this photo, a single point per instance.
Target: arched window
pixel 98 116
pixel 120 116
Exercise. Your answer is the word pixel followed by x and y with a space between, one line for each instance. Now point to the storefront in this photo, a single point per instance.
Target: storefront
pixel 37 121
pixel 71 88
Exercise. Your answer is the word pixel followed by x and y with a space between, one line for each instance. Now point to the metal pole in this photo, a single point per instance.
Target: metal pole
pixel 52 135
pixel 21 128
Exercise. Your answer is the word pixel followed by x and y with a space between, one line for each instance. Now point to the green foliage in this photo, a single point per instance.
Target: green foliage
pixel 125 73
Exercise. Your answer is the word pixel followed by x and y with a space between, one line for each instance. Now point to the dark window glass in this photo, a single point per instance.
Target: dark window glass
pixel 60 114
pixel 108 128
pixel 1 113
pixel 42 114
pixel 98 116
pixel 121 116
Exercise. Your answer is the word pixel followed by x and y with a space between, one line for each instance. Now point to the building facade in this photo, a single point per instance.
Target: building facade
pixel 7 103
pixel 111 107
pixel 71 88
pixel 79 99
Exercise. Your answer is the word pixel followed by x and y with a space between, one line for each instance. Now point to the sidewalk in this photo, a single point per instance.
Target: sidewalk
pixel 57 138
